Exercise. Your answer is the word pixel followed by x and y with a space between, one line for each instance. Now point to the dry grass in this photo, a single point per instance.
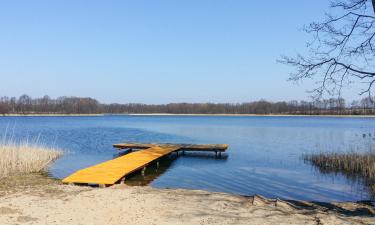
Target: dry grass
pixel 353 165
pixel 25 158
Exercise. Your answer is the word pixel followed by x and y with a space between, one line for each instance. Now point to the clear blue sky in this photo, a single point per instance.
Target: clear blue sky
pixel 153 51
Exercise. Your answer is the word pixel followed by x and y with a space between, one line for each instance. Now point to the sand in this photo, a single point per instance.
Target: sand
pixel 38 200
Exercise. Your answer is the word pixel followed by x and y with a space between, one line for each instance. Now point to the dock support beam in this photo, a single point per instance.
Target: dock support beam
pixel 143 171
pixel 217 154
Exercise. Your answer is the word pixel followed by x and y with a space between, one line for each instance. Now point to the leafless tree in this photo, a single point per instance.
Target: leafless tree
pixel 73 105
pixel 342 50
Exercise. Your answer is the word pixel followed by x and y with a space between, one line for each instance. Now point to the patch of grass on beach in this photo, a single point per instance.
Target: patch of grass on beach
pixel 24 158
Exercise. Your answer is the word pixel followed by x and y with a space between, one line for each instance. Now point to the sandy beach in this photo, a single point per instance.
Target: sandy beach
pixel 34 199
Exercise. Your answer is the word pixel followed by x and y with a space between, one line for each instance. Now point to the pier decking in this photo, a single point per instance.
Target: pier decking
pixel 114 170
pixel 181 147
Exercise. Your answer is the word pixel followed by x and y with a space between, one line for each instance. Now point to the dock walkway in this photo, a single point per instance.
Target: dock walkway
pixel 114 170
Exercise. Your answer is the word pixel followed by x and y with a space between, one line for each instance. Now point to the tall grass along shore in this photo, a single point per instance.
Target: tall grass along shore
pixel 25 158
pixel 352 164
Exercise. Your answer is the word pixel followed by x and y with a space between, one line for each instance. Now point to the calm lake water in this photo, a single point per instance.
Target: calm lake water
pixel 264 155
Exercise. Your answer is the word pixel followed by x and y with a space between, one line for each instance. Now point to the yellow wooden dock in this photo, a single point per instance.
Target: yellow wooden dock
pixel 114 170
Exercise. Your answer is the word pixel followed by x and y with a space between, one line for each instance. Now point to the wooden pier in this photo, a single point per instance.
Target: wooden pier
pixel 115 170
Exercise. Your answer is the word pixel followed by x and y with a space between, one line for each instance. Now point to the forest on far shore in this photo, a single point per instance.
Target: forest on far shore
pixel 83 105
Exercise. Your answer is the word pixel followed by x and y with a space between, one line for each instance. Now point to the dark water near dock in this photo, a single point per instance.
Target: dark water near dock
pixel 264 155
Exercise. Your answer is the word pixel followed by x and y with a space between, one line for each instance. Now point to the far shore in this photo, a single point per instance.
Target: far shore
pixel 48 114
pixel 182 114
pixel 247 115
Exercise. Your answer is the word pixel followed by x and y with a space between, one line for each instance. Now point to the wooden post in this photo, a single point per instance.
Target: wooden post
pixel 183 152
pixel 102 185
pixel 143 171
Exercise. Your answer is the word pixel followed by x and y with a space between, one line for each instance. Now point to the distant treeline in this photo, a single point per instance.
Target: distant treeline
pixel 78 105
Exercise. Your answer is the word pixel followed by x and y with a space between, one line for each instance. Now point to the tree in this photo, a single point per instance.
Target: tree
pixel 24 103
pixel 342 50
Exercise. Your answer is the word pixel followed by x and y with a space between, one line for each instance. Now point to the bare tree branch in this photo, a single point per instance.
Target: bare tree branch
pixel 342 49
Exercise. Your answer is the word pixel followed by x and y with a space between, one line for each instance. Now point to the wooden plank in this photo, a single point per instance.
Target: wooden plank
pixel 111 171
pixel 209 147
pixel 184 147
pixel 133 145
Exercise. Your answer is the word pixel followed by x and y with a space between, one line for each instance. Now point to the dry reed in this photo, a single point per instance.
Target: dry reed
pixel 352 164
pixel 25 158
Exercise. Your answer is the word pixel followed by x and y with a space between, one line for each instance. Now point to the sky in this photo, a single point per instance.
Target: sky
pixel 154 52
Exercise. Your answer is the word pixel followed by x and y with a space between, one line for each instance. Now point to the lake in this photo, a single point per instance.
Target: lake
pixel 264 157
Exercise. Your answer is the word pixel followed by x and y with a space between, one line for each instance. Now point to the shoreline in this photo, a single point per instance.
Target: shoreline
pixel 49 115
pixel 36 199
pixel 245 115
pixel 182 115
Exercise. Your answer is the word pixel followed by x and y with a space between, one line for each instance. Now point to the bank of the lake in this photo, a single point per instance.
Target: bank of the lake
pixel 247 115
pixel 186 114
pixel 48 114
pixel 36 199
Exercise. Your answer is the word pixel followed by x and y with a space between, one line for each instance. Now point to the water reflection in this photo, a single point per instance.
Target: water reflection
pixel 152 172
pixel 155 170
